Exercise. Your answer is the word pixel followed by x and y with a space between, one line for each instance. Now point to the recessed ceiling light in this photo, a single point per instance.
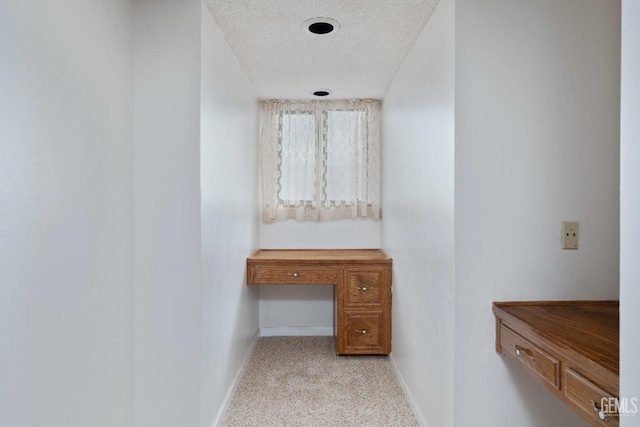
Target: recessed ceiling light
pixel 321 25
pixel 321 28
pixel 322 92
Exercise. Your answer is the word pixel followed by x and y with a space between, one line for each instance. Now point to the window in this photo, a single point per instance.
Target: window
pixel 320 160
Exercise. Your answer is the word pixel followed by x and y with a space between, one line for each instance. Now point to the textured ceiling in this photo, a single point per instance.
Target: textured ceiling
pixel 283 60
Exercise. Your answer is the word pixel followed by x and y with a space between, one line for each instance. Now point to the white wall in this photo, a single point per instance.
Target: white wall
pixel 630 207
pixel 228 169
pixel 167 245
pixel 308 310
pixel 417 231
pixel 66 303
pixel 537 130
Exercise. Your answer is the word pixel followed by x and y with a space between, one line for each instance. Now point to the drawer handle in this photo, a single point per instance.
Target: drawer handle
pixel 296 274
pixel 362 331
pixel 601 414
pixel 364 288
pixel 521 352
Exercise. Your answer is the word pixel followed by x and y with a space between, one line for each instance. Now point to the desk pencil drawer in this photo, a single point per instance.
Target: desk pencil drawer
pixel 367 286
pixel 541 365
pixel 596 404
pixel 293 275
pixel 366 333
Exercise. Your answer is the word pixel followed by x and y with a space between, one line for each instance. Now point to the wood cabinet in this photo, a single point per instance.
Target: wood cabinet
pixel 362 278
pixel 570 347
pixel 364 310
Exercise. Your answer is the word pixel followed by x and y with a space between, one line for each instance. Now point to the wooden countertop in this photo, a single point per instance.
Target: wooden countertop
pixel 590 328
pixel 570 347
pixel 319 256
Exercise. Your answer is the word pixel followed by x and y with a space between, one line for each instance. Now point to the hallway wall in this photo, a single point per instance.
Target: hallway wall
pixel 229 216
pixel 66 244
pixel 630 209
pixel 166 227
pixel 417 231
pixel 537 143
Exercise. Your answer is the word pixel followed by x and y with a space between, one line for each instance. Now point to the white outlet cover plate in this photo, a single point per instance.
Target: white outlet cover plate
pixel 570 234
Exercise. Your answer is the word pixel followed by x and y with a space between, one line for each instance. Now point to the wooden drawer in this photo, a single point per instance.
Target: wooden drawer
pixel 587 398
pixel 535 361
pixel 294 275
pixel 367 287
pixel 365 333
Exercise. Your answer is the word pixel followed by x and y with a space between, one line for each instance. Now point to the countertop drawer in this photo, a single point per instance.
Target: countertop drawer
pixel 541 365
pixel 596 404
pixel 289 275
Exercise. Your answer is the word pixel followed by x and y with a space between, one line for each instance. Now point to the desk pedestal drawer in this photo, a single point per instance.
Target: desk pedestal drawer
pixel 294 275
pixel 365 333
pixel 366 287
pixel 541 365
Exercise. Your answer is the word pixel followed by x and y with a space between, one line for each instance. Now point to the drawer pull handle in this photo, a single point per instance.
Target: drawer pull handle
pixel 364 288
pixel 296 274
pixel 362 331
pixel 601 414
pixel 521 352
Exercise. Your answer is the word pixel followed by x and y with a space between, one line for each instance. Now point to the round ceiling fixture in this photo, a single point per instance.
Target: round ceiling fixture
pixel 321 26
pixel 322 92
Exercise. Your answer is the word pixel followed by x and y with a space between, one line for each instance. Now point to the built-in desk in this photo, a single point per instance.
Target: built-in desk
pixel 570 347
pixel 362 279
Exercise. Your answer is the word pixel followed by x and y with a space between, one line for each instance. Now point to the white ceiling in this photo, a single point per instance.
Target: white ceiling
pixel 283 60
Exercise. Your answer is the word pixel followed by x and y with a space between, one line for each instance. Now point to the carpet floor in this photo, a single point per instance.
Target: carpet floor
pixel 300 381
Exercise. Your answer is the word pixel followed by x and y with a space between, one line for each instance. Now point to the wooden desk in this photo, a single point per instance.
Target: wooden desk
pixel 362 278
pixel 570 347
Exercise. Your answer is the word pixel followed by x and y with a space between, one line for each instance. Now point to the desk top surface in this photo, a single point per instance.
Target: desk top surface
pixel 327 255
pixel 589 327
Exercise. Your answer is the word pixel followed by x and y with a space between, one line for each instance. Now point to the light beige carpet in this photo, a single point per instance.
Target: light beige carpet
pixel 300 381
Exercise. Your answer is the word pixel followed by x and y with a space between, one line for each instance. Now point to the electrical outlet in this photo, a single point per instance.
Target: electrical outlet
pixel 570 234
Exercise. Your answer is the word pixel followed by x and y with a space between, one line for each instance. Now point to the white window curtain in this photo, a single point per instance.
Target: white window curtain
pixel 320 160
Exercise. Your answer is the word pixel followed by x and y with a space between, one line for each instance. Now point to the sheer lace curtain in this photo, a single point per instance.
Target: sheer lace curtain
pixel 320 160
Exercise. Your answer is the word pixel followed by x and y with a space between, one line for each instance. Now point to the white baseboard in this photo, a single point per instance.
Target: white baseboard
pixel 297 331
pixel 236 380
pixel 407 393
